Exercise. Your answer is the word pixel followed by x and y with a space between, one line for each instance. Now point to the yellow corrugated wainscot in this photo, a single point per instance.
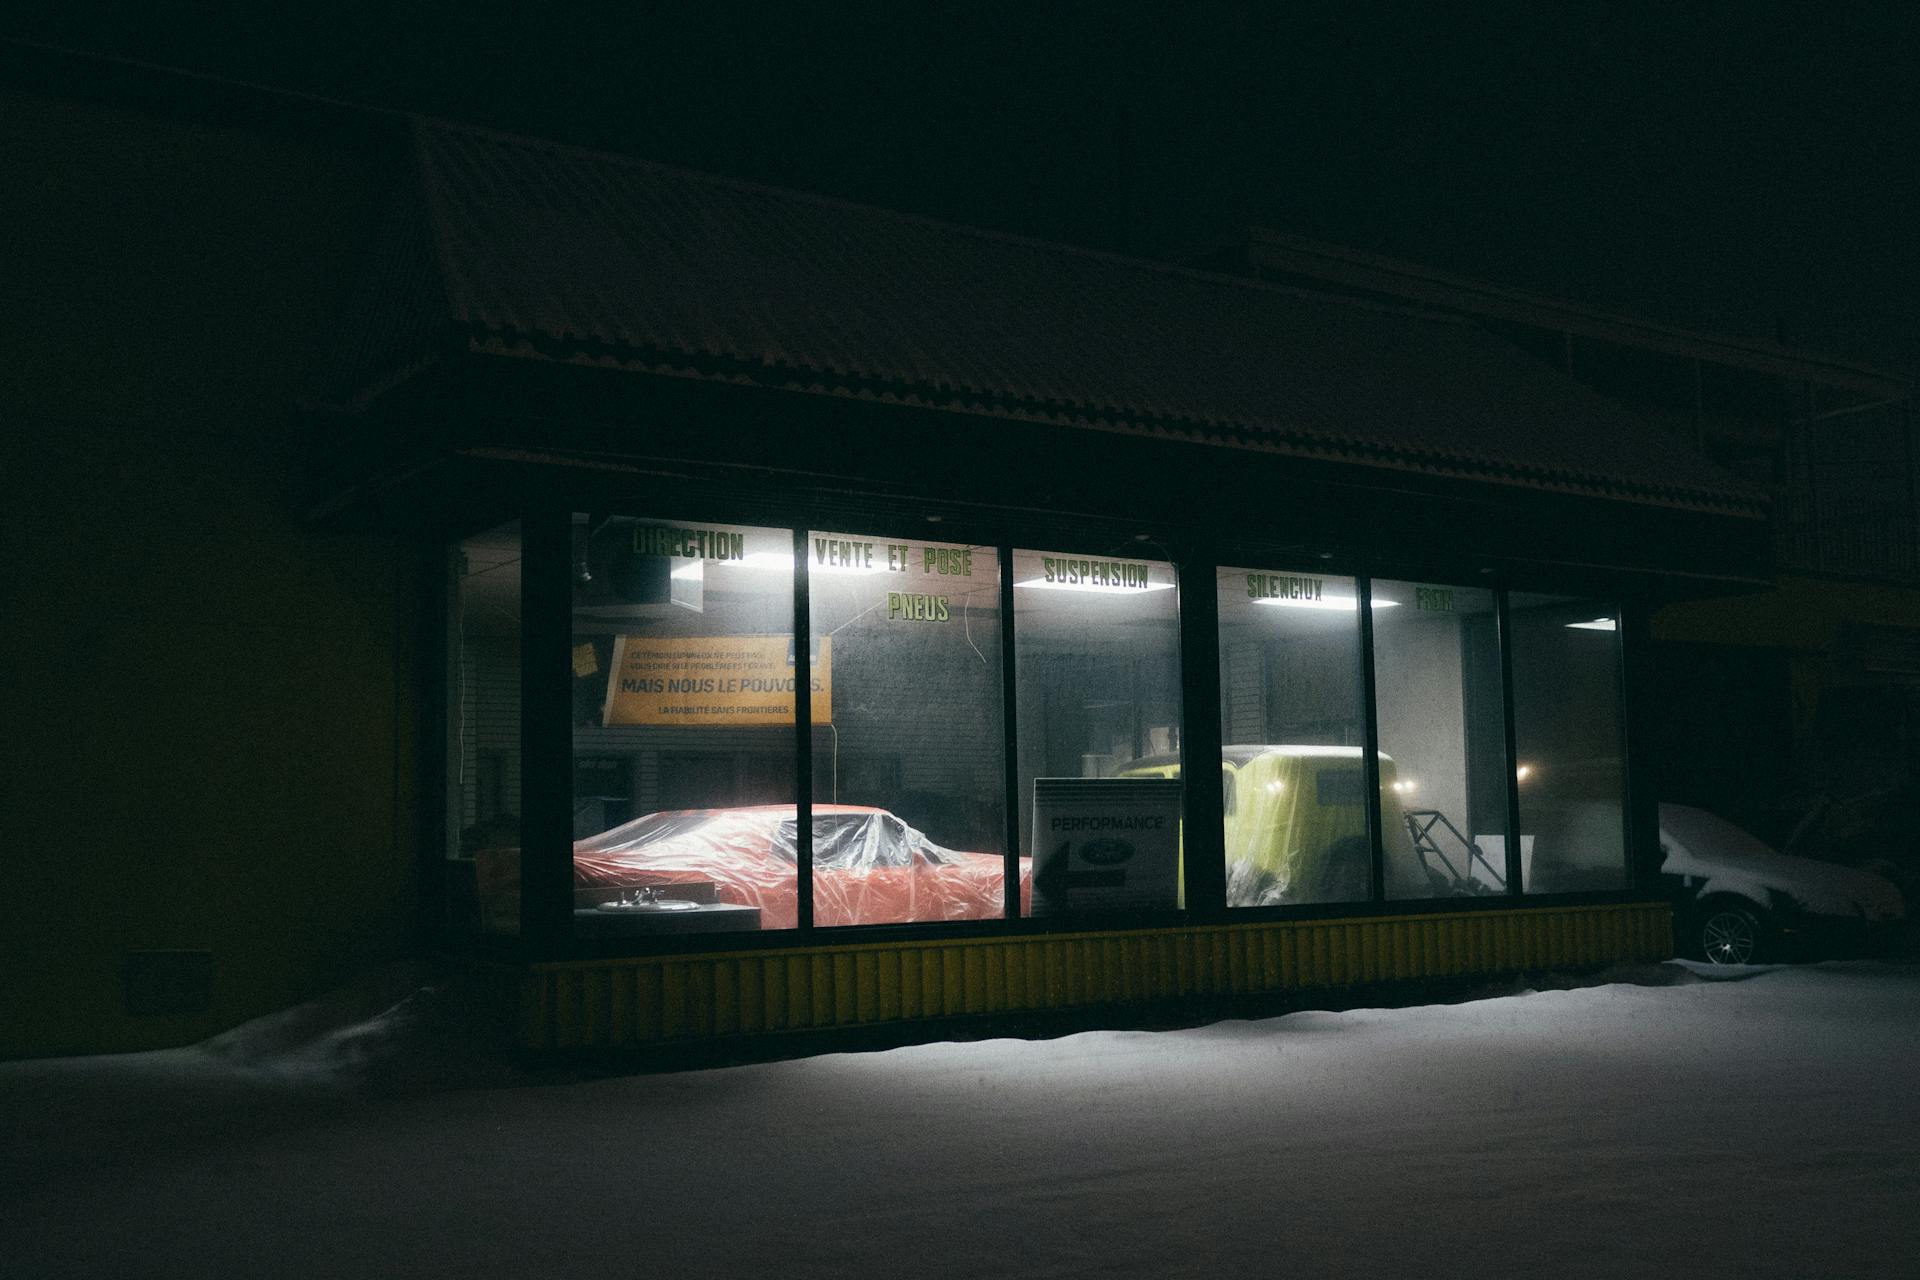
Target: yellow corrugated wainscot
pixel 649 1000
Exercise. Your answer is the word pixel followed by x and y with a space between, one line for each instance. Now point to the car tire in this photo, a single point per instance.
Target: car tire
pixel 1729 931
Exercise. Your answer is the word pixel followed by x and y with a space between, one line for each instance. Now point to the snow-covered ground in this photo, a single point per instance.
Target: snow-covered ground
pixel 1655 1121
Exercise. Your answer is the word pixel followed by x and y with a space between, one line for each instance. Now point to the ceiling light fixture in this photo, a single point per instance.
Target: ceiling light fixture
pixel 1098 588
pixel 782 560
pixel 1347 604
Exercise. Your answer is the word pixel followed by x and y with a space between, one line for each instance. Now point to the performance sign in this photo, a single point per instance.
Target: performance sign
pixel 1105 843
pixel 712 680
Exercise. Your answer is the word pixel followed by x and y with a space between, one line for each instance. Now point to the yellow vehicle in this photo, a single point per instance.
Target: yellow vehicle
pixel 1296 824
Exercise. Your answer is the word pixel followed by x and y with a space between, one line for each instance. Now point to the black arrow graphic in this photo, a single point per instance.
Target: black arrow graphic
pixel 1057 879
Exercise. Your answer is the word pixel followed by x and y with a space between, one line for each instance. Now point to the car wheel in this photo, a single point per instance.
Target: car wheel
pixel 1728 932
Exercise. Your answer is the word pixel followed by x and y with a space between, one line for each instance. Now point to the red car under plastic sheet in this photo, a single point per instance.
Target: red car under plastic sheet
pixel 869 867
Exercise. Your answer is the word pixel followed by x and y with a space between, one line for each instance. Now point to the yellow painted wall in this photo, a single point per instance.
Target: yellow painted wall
pixel 209 708
pixel 641 1001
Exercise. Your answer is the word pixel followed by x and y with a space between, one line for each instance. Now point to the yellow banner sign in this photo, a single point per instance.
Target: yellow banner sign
pixel 712 680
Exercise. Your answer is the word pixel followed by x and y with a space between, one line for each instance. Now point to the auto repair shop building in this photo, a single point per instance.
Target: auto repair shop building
pixel 607 461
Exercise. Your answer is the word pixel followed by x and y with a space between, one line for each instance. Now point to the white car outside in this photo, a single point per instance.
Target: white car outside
pixel 1741 898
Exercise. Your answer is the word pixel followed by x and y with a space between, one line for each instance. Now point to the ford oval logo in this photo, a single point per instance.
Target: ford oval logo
pixel 1106 853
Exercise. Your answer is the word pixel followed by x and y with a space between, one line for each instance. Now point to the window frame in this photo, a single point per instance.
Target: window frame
pixel 546 740
pixel 1634 788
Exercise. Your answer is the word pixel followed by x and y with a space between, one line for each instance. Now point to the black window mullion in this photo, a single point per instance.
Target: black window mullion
pixel 440 747
pixel 1370 741
pixel 1640 813
pixel 1503 625
pixel 1009 727
pixel 802 736
pixel 546 730
pixel 1203 831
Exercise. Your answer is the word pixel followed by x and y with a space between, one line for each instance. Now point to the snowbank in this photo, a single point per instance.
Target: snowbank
pixel 410 1027
pixel 1748 1123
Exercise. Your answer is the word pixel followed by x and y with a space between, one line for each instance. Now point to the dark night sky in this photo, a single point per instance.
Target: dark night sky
pixel 1747 168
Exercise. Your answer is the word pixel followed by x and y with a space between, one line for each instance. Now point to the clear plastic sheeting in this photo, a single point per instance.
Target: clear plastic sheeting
pixel 1296 827
pixel 869 867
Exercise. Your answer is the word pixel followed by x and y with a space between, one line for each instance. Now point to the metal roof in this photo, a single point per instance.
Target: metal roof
pixel 556 253
pixel 1450 291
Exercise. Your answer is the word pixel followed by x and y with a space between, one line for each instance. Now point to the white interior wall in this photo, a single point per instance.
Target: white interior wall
pixel 1422 712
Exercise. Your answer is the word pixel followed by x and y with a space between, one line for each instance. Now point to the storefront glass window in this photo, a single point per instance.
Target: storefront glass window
pixel 483 705
pixel 1293 724
pixel 1566 720
pixel 1097 669
pixel 684 674
pixel 909 778
pixel 1443 795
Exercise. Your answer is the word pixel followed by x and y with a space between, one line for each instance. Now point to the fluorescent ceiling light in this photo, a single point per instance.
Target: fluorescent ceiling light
pixel 1594 624
pixel 1345 603
pixel 776 560
pixel 1102 588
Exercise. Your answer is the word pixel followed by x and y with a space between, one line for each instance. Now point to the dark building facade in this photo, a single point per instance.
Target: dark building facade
pixel 1793 708
pixel 435 530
